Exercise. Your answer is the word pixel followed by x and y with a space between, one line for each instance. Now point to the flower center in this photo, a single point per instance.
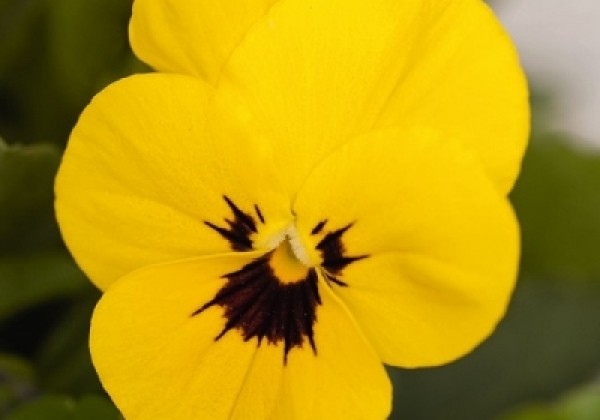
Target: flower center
pixel 289 260
pixel 275 298
pixel 285 264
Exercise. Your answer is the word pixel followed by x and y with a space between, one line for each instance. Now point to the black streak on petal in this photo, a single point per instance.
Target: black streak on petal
pixel 259 214
pixel 258 305
pixel 241 218
pixel 239 229
pixel 319 227
pixel 333 254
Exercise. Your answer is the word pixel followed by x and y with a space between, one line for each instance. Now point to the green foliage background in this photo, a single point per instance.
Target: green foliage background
pixel 542 363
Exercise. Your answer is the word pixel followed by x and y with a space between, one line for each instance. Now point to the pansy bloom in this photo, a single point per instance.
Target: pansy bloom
pixel 303 191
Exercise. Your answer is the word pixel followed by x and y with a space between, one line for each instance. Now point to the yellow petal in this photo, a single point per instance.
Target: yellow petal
pixel 157 361
pixel 428 249
pixel 467 82
pixel 191 36
pixel 345 380
pixel 316 73
pixel 144 172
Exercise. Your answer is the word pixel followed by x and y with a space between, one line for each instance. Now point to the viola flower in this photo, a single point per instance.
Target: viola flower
pixel 304 190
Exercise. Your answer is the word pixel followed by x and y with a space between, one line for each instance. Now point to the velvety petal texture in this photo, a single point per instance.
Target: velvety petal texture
pixel 160 362
pixel 193 37
pixel 146 167
pixel 438 245
pixel 317 73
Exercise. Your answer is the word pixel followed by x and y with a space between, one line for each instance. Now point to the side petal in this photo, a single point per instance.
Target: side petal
pixel 417 241
pixel 144 172
pixel 157 361
pixel 191 36
pixel 317 73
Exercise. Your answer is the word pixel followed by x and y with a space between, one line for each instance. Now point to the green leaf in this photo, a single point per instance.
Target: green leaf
pixel 63 359
pixel 26 197
pixel 26 281
pixel 581 404
pixel 16 21
pixel 557 199
pixel 535 413
pixel 93 407
pixel 547 344
pixel 54 407
pixel 89 45
pixel 31 105
pixel 47 408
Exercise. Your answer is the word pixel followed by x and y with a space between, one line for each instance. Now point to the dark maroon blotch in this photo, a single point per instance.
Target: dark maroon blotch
pixel 258 305
pixel 238 230
pixel 333 254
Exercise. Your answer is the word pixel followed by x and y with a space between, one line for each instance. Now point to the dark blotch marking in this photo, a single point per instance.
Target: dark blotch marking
pixel 333 254
pixel 317 229
pixel 258 305
pixel 239 229
pixel 259 214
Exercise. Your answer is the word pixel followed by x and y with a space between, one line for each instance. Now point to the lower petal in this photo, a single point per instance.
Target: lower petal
pixel 157 359
pixel 345 380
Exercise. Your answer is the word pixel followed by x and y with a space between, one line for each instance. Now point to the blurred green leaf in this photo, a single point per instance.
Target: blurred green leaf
pixel 26 281
pixel 557 200
pixel 17 381
pixel 26 197
pixel 582 404
pixel 63 360
pixel 54 56
pixel 31 105
pixel 93 407
pixel 547 344
pixel 64 408
pixel 47 408
pixel 536 413
pixel 89 45
pixel 16 21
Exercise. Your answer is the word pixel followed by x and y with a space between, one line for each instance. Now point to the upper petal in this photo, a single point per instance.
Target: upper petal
pixel 467 82
pixel 158 360
pixel 416 240
pixel 316 73
pixel 191 36
pixel 150 162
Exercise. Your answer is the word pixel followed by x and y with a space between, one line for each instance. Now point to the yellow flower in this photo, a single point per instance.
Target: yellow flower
pixel 304 190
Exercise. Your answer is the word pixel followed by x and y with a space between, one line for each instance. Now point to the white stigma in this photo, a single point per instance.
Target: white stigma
pixel 291 235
